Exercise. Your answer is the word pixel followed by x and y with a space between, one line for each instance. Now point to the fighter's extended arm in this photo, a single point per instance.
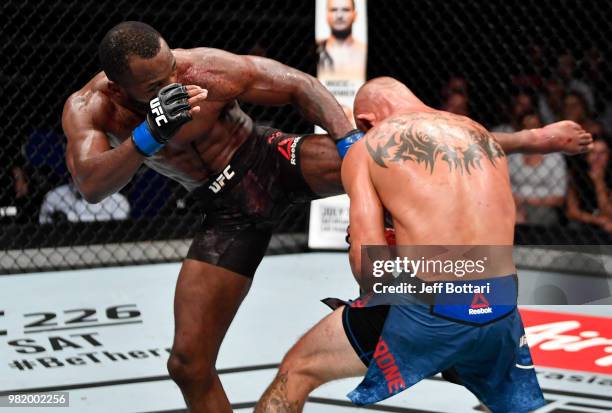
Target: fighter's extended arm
pixel 366 217
pixel 564 136
pixel 267 82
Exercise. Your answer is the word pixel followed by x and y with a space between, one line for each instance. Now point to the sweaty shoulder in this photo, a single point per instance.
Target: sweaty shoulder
pixel 221 73
pixel 88 105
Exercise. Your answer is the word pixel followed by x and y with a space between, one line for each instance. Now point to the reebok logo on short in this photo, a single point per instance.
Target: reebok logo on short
pixel 288 148
pixel 293 150
pixel 487 310
pixel 284 147
pixel 480 305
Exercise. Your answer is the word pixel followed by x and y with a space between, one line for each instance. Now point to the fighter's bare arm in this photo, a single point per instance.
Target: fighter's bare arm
pixel 264 81
pixel 366 217
pixel 98 170
pixel 564 136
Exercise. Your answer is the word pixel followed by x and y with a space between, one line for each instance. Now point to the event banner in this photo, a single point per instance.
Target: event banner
pixel 329 219
pixel 342 49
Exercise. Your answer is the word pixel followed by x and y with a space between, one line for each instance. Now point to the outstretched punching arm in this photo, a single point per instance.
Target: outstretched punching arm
pixel 267 82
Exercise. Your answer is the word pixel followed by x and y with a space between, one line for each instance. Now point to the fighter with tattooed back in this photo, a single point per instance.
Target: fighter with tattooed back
pixel 444 180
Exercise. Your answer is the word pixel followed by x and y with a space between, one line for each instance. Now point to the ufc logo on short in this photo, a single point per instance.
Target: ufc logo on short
pixel 219 183
pixel 157 110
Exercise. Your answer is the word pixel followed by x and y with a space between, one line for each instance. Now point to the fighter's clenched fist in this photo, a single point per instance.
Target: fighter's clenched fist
pixel 167 112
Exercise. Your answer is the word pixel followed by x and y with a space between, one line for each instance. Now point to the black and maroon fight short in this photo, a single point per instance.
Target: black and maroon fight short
pixel 244 202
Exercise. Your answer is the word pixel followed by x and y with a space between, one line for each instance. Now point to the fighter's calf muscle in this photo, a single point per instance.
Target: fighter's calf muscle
pixel 275 399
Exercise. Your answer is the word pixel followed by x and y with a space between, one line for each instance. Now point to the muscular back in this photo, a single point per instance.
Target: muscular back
pixel 443 178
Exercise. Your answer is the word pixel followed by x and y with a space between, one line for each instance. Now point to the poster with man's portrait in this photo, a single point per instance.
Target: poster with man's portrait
pixel 341 35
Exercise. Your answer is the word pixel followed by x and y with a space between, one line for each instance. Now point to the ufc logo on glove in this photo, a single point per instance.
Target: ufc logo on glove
pixel 156 109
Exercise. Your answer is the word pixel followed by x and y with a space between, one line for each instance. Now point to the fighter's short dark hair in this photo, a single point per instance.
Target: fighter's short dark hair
pixel 127 39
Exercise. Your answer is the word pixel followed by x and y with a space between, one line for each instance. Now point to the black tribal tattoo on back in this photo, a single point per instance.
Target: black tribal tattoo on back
pixel 422 138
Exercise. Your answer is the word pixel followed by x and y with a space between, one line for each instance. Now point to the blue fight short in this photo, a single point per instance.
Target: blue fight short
pixel 476 340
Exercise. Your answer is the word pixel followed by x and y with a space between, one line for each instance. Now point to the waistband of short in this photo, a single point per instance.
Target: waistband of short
pixel 486 301
pixel 233 171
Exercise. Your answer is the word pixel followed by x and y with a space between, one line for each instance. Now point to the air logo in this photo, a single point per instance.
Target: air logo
pixel 219 183
pixel 157 110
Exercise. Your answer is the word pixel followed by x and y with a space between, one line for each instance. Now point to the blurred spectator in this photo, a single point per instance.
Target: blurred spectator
pixel 258 50
pixel 550 102
pixel 457 103
pixel 539 182
pixel 575 108
pixel 566 71
pixel 456 84
pixel 597 130
pixel 592 66
pixel 534 70
pixel 15 197
pixel 606 117
pixel 596 74
pixel 65 203
pixel 589 194
pixel 521 103
pixel 13 190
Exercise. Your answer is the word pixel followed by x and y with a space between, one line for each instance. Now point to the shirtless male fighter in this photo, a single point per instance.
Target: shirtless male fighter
pixel 243 176
pixel 444 180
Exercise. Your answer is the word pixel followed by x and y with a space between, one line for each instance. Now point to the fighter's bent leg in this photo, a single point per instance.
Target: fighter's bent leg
pixel 322 355
pixel 206 300
pixel 320 165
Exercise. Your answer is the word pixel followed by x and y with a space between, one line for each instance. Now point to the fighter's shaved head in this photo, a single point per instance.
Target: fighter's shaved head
pixel 127 39
pixel 380 98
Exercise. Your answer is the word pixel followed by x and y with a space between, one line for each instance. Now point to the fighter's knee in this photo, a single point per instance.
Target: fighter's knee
pixel 188 369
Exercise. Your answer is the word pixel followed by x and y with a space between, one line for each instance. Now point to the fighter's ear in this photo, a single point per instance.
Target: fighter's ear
pixel 365 121
pixel 117 90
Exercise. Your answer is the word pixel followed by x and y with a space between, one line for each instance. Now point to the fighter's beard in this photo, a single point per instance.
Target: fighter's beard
pixel 342 34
